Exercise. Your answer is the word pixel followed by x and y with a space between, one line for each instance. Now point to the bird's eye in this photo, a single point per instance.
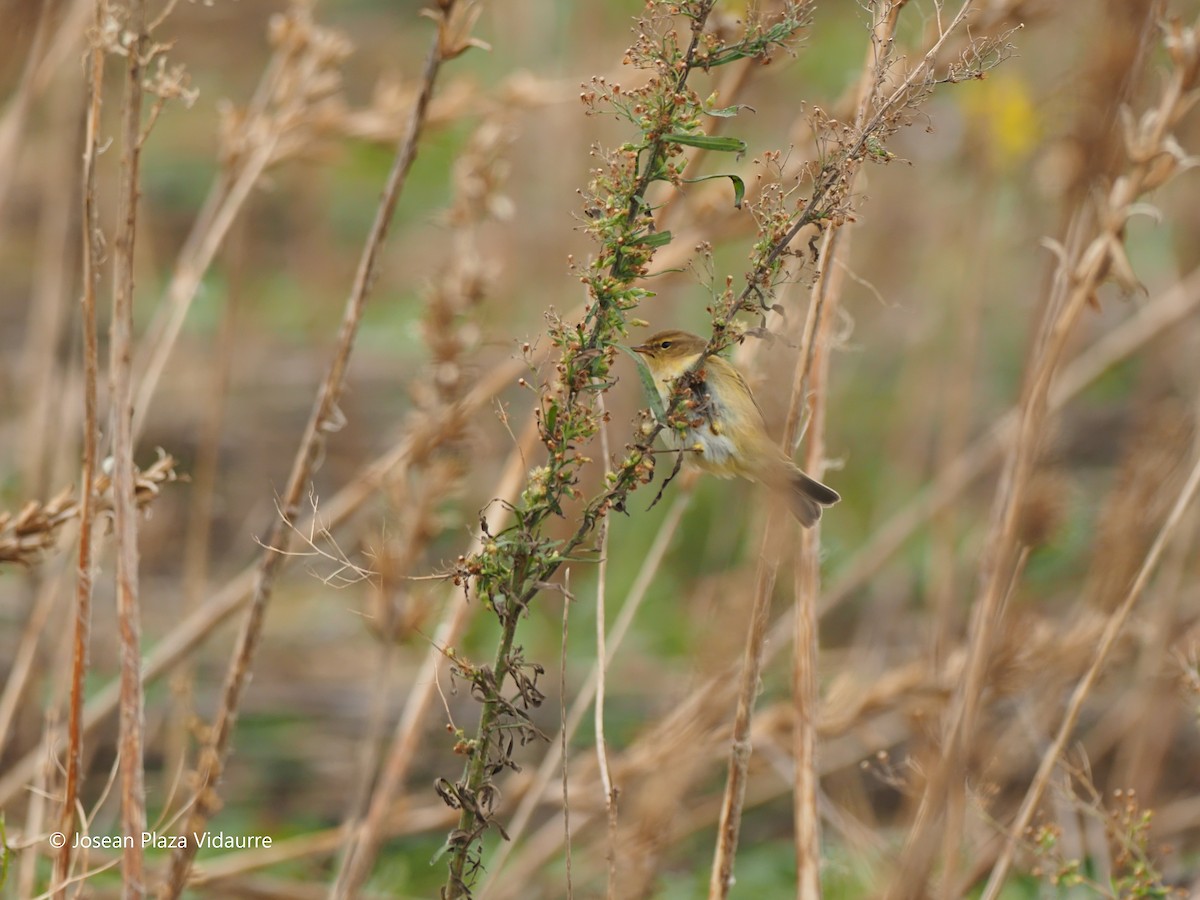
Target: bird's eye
pixel 664 344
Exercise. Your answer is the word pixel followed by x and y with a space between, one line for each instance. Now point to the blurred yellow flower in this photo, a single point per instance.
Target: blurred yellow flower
pixel 1000 113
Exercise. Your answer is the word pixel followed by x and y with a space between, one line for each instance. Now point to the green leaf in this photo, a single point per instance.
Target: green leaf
pixel 708 142
pixel 649 388
pixel 728 112
pixel 739 186
pixel 652 239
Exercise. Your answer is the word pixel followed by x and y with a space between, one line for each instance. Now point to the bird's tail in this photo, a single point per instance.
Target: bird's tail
pixel 806 497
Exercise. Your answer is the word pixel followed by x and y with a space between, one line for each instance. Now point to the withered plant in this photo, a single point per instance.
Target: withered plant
pixel 972 311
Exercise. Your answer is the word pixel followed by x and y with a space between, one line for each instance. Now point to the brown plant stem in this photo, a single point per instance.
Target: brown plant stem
pixel 91 354
pixel 729 826
pixel 133 792
pixel 753 657
pixel 323 419
pixel 807 581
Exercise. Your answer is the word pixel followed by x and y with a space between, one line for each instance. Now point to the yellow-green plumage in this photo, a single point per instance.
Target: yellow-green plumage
pixel 731 437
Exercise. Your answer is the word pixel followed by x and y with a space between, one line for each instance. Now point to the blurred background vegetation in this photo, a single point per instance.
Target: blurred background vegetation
pixel 948 272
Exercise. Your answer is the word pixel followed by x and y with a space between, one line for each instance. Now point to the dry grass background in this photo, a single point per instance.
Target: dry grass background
pixel 1008 601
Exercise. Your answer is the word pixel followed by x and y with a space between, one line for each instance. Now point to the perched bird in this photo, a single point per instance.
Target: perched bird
pixel 727 434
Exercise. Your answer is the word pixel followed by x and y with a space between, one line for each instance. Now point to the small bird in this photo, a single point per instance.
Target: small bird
pixel 727 433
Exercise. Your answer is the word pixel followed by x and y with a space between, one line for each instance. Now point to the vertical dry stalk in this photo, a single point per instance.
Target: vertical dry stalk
pixel 84 576
pixel 606 781
pixel 133 794
pixel 754 654
pixel 1112 631
pixel 814 368
pixel 729 826
pixel 811 378
pixel 323 420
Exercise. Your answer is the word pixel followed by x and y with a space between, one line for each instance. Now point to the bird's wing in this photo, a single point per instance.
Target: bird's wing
pixel 727 367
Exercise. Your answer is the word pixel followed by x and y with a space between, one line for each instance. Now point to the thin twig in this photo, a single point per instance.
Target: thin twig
pixel 807 580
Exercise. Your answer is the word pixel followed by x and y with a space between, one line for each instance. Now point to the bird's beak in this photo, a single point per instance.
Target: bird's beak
pixel 641 348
